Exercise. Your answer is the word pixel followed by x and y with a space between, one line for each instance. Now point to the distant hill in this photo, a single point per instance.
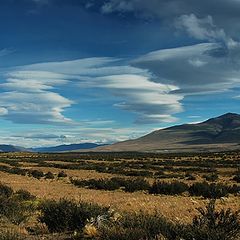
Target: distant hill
pixel 70 147
pixel 11 148
pixel 215 134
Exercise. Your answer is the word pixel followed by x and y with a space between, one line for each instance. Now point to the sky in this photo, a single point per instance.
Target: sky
pixel 103 71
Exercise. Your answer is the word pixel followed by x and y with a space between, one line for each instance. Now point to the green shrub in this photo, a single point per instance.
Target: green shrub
pixel 214 225
pixel 62 174
pixel 23 195
pixel 190 177
pixel 236 178
pixel 10 235
pixel 129 185
pixel 49 175
pixel 211 178
pixel 168 188
pixel 5 191
pixel 66 215
pixel 14 210
pixel 132 185
pixel 138 226
pixel 208 190
pixel 36 174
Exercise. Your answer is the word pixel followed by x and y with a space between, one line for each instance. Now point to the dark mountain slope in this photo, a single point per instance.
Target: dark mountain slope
pixel 220 133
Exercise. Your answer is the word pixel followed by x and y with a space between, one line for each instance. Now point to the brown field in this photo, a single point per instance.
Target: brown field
pixel 178 207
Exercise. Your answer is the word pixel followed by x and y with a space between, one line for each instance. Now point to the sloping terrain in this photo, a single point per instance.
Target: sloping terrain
pixel 11 148
pixel 70 147
pixel 220 133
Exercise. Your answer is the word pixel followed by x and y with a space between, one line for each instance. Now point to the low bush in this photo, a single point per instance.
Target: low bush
pixel 66 215
pixel 23 195
pixel 128 185
pixel 10 235
pixel 14 210
pixel 5 191
pixel 209 190
pixel 136 226
pixel 190 177
pixel 214 225
pixel 236 178
pixel 49 175
pixel 62 174
pixel 36 174
pixel 137 184
pixel 168 188
pixel 211 178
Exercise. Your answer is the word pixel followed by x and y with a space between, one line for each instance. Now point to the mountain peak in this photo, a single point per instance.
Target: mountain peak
pixel 215 134
pixel 229 115
pixel 225 120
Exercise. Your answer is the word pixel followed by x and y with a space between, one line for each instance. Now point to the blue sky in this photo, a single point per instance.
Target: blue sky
pixel 104 71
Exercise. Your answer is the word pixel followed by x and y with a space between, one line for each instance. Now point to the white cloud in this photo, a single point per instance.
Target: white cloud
pixel 3 111
pixel 131 89
pixel 203 29
pixel 27 97
pixel 202 68
pixel 153 102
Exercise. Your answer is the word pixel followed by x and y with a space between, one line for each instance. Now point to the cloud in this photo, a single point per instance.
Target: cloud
pixel 5 51
pixel 153 102
pixel 27 97
pixel 152 86
pixel 29 92
pixel 225 13
pixel 203 29
pixel 199 69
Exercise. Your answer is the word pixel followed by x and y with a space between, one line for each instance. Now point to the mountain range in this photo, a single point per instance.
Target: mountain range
pixel 216 134
pixel 70 147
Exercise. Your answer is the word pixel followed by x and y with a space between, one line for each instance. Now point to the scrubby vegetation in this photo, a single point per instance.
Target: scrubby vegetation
pixel 195 177
pixel 81 220
pixel 203 189
pixel 94 222
pixel 15 206
pixel 128 185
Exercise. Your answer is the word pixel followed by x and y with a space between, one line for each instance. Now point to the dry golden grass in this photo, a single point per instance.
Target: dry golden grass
pixel 180 208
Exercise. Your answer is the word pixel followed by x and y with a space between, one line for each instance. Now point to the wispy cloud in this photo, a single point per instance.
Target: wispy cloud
pixel 203 29
pixel 27 98
pixel 30 95
pixel 202 68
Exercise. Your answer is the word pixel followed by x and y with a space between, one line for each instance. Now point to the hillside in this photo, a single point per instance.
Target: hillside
pixel 215 134
pixel 11 148
pixel 70 147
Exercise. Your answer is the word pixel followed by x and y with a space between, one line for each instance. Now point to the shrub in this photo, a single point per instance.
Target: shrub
pixel 62 174
pixel 5 191
pixel 136 226
pixel 214 225
pixel 190 177
pixel 234 189
pixel 37 174
pixel 236 178
pixel 10 235
pixel 66 215
pixel 132 185
pixel 16 211
pixel 168 188
pixel 18 171
pixel 129 185
pixel 208 190
pixel 211 178
pixel 49 175
pixel 23 195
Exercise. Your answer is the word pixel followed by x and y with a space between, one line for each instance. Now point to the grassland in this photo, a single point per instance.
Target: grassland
pixel 134 183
